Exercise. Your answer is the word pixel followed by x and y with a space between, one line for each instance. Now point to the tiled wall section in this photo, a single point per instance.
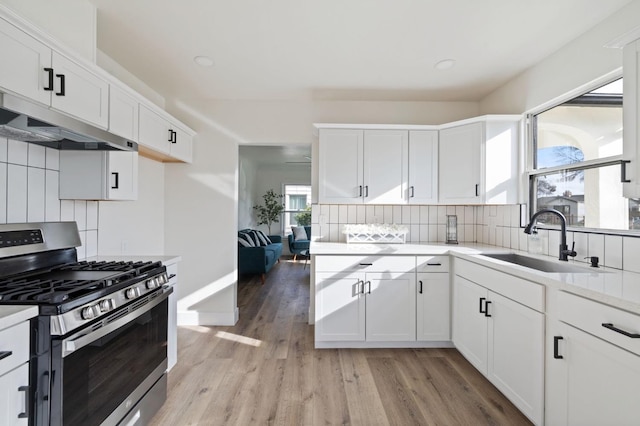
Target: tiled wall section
pixel 425 223
pixel 492 225
pixel 29 192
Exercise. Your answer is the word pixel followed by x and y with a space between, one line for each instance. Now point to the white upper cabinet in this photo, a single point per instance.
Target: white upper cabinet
pixel 423 167
pixel 161 134
pixel 340 166
pixel 478 162
pixel 24 60
pixel 631 119
pixel 123 114
pixel 79 92
pixel 363 166
pixel 181 143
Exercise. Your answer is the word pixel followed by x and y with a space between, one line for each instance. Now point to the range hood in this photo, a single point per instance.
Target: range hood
pixel 29 122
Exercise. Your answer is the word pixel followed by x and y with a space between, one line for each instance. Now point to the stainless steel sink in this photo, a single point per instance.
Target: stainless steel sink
pixel 539 264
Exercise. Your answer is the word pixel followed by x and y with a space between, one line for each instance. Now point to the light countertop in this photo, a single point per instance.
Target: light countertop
pixel 11 315
pixel 607 285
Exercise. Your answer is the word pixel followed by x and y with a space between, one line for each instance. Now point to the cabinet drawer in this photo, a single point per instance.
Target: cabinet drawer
pixel 432 264
pixel 365 263
pixel 589 316
pixel 528 293
pixel 15 340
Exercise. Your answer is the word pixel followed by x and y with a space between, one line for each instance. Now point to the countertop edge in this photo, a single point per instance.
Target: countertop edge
pixel 11 315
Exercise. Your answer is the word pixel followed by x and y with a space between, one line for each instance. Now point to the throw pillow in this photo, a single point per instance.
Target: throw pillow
pixel 299 233
pixel 244 240
pixel 264 240
pixel 254 238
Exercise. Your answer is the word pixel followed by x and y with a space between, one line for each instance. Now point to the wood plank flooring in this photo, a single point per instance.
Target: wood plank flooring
pixel 265 371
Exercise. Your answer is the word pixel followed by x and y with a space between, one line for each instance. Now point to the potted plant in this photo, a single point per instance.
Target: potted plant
pixel 270 212
pixel 304 217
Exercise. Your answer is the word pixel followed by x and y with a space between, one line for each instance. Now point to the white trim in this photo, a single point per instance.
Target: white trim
pixel 596 162
pixel 208 318
pixel 623 39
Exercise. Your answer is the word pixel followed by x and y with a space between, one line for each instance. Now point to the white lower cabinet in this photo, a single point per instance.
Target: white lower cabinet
pixel 433 293
pixel 14 374
pixel 593 375
pixel 503 339
pixel 365 299
pixel 172 320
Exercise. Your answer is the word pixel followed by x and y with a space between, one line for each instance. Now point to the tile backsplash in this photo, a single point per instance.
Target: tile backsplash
pixel 492 225
pixel 29 192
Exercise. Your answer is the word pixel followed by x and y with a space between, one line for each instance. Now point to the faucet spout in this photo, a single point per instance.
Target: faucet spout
pixel 564 251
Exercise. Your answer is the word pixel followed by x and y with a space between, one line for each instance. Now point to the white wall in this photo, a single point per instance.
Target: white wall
pixel 72 22
pixel 246 192
pixel 578 63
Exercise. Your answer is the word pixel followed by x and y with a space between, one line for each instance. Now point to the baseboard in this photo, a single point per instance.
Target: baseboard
pixel 371 345
pixel 208 318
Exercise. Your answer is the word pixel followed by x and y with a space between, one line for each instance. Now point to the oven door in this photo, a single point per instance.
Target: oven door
pixel 101 372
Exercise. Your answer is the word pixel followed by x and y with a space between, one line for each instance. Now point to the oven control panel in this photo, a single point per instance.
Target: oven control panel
pixel 21 238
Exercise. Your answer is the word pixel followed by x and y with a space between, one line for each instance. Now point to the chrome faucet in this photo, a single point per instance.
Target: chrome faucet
pixel 564 250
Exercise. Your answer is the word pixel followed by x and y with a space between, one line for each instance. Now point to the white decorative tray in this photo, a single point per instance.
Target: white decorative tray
pixel 376 233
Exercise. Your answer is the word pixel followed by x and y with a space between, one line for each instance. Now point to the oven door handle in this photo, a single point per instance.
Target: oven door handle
pixel 85 337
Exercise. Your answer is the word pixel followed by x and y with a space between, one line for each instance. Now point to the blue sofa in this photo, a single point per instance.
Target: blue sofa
pixel 259 260
pixel 296 247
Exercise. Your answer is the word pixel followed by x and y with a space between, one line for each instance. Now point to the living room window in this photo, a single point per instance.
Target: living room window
pixel 297 200
pixel 577 152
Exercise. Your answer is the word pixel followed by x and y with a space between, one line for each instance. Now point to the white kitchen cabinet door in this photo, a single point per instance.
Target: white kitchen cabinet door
pixel 123 114
pixel 390 306
pixel 14 387
pixel 340 307
pixel 98 175
pixel 470 326
pixel 631 119
pixel 432 308
pixel 24 60
pixel 459 165
pixel 594 383
pixel 181 144
pixel 153 131
pixel 516 354
pixel 385 166
pixel 423 167
pixel 79 92
pixel 340 166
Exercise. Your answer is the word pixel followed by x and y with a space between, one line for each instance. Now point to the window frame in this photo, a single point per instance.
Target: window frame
pixel 285 212
pixel 532 172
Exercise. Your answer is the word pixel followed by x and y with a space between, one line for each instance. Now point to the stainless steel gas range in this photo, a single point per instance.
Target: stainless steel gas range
pixel 99 343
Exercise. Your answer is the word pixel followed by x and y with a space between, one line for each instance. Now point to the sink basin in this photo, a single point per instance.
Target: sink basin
pixel 539 264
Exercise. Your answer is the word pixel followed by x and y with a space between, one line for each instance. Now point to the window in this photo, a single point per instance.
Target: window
pixel 297 203
pixel 577 149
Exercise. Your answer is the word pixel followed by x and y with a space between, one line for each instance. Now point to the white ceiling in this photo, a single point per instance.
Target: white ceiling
pixel 338 49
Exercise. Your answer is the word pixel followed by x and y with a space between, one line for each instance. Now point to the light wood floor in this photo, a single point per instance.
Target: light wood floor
pixel 265 371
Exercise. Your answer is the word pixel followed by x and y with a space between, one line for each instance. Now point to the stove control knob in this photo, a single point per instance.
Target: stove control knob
pixel 163 279
pixel 106 305
pixel 152 283
pixel 132 293
pixel 90 312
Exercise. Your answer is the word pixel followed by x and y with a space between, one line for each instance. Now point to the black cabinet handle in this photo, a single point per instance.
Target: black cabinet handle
pixel 362 287
pixel 477 189
pixel 623 171
pixel 117 181
pixel 170 135
pixel 413 194
pixel 617 330
pixel 360 191
pixel 486 309
pixel 420 290
pixel 366 190
pixel 482 299
pixel 368 282
pixel 173 137
pixel 434 264
pixel 62 91
pixel 24 389
pixel 5 354
pixel 556 355
pixel 365 264
pixel 49 71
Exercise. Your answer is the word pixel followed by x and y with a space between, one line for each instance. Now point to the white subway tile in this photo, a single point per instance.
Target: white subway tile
pixel 92 215
pixel 352 216
pixel 499 215
pixel 35 194
pixel 493 211
pixel 433 215
pixel 523 241
pixel 397 214
pixel 460 214
pixel 92 243
pixel 67 208
pixel 52 159
pixel 485 235
pixel 554 243
pixel 497 236
pixel 406 215
pixel 433 233
pixel 596 246
pixel 442 215
pixel 324 233
pixel 612 251
pixel 334 234
pixel 630 250
pixel 379 212
pixel 16 193
pixel 544 236
pixel 82 250
pixel 36 156
pixel 515 238
pixel 414 231
pixel 18 153
pixel 442 237
pixel 424 214
pixel 582 245
pixel 333 214
pixel 388 214
pixel 424 233
pixel 506 216
pixel 3 192
pixel 515 216
pixel 470 233
pixel 323 217
pixel 469 215
pixel 461 235
pixel 343 213
pixel 370 214
pixel 80 214
pixel 415 215
pixel 3 150
pixel 361 216
pixel 506 237
pixel 315 213
pixel 451 210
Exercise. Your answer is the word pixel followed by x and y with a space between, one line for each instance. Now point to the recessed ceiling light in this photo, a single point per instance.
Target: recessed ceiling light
pixel 445 64
pixel 203 61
